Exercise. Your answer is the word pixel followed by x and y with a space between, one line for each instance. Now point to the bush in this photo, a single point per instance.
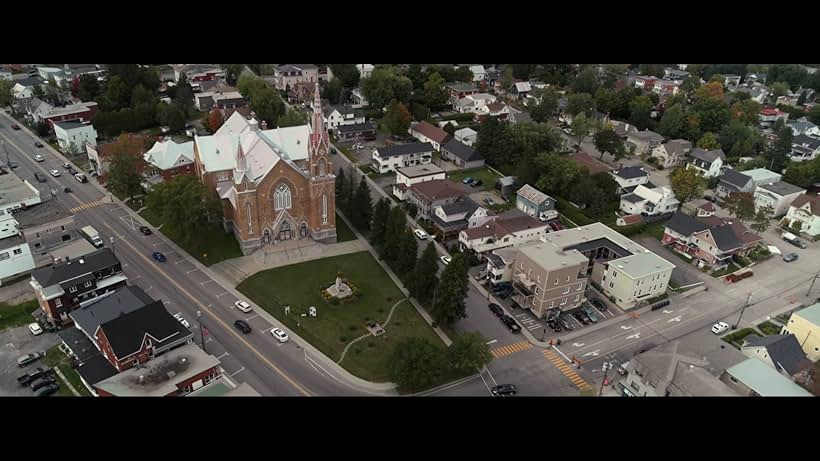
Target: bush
pixel 357 350
pixel 371 344
pixel 657 298
pixel 769 328
pixel 458 117
pixel 631 230
pixel 343 339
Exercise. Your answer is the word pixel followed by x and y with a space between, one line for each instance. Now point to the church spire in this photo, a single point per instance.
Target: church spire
pixel 319 142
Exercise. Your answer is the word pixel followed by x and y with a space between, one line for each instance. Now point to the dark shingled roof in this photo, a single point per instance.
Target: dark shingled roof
pixel 784 350
pixel 94 261
pixel 405 149
pixel 685 224
pixel 462 151
pixel 460 206
pixel 358 127
pixel 734 178
pixel 632 198
pixel 725 238
pixel 630 172
pixel 126 333
pixel 123 301
pixel 96 370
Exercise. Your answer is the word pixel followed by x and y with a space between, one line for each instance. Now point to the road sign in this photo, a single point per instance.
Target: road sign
pixel 674 319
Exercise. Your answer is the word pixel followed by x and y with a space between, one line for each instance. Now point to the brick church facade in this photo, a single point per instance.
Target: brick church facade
pixel 275 185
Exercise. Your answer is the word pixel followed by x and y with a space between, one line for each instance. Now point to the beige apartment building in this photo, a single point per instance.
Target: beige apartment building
pixel 634 278
pixel 805 326
pixel 546 277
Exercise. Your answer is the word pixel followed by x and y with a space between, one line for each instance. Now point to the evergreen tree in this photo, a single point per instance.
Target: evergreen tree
pixel 396 224
pixel 423 281
pixel 378 222
pixel 362 207
pixel 340 189
pixel 452 289
pixel 408 249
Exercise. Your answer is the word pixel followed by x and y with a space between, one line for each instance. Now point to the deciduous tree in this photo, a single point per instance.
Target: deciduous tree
pixel 761 220
pixel 290 118
pixel 708 141
pixel 580 102
pixel 686 184
pixel 397 118
pixel 607 141
pixel 435 94
pixel 215 120
pixel 124 176
pixel 469 353
pixel 741 205
pixel 416 364
pixel 580 127
pixel 448 305
pixel 673 122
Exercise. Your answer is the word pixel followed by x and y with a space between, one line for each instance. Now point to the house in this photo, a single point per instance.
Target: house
pixel 518 116
pixel 46 227
pixel 781 352
pixel 622 129
pixel 5 73
pixel 671 153
pixel 663 371
pixel 357 98
pixel 99 155
pixel 167 159
pixel 492 77
pixel 644 141
pixel 666 87
pixel 757 92
pixel 535 203
pixel 545 277
pixel 228 100
pixel 15 256
pixel 752 378
pixel 709 239
pixel 805 326
pixel 629 177
pixel 505 185
pixel 731 81
pixel 66 286
pixel 174 374
pixel 35 109
pixel 768 116
pixel 708 163
pixel 427 133
pixel 804 148
pixel 288 75
pixel 356 132
pixel 778 195
pixel 387 159
pixel 473 103
pixel 24 89
pixel 407 176
pixel 198 72
pixel 803 126
pixel 479 73
pixel 82 112
pixel 732 181
pixel 74 134
pixel 336 116
pixel 428 195
pixel 649 201
pixel 522 89
pixel 365 70
pixel 467 136
pixel 462 155
pixel 675 74
pixel 16 195
pixel 509 229
pixel 635 278
pixel 496 109
pixel 459 90
pixel 804 212
pixel 450 218
pixel 644 82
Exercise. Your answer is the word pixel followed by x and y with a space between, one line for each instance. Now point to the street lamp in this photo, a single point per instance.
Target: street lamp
pixel 201 334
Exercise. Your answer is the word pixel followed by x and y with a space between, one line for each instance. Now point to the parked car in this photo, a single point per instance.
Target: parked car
pixel 420 234
pixel 467 180
pixel 510 323
pixel 145 230
pixel 39 177
pixel 554 326
pixel 496 309
pixel 489 201
pixel 80 177
pixel 38 158
pixel 790 257
pixel 598 304
pixel 55 173
pixel 47 390
pixel 590 313
pixel 42 382
pixel 476 183
pixel 243 306
pixel 446 259
pixel 182 320
pixel 506 293
pixel 66 165
pixel 504 390
pixel 14 126
pixel 720 327
pixel 710 198
pixel 280 335
pixel 38 144
pixel 159 256
pixel 565 324
pixel 29 358
pixel 242 326
pixel 12 165
pixel 581 317
pixel 35 329
pixel 27 378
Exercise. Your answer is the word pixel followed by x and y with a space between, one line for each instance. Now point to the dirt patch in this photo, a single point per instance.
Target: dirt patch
pixel 17 293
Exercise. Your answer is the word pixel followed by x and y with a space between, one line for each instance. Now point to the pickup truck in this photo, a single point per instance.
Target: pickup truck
pixel 794 240
pixel 27 378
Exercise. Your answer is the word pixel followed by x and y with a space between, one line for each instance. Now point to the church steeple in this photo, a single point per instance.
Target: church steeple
pixel 319 142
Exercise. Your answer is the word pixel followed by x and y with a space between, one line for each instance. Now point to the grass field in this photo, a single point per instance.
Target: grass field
pixel 211 240
pixel 55 358
pixel 343 231
pixel 17 315
pixel 484 174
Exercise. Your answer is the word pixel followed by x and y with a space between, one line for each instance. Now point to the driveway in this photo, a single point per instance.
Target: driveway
pixel 684 274
pixel 15 342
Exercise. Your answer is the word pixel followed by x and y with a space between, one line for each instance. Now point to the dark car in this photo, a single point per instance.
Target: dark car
pixel 476 183
pixel 581 317
pixel 145 230
pixel 504 389
pixel 590 314
pixel 565 324
pixel 66 165
pixel 12 165
pixel 242 326
pixel 510 323
pixel 42 382
pixel 32 375
pixel 159 256
pixel 38 144
pixel 39 177
pixel 555 326
pixel 14 126
pixel 47 390
pixel 496 310
pixel 501 287
pixel 506 293
pixel 598 304
pixel 790 257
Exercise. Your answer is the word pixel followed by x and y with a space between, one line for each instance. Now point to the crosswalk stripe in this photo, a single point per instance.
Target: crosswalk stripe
pixel 564 368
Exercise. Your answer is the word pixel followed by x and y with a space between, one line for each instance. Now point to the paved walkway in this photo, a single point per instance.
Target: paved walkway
pixel 283 254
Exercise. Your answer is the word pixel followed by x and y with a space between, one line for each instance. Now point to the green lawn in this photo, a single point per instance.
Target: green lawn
pixel 736 338
pixel 728 270
pixel 17 315
pixel 343 232
pixel 768 328
pixel 484 174
pixel 55 358
pixel 300 285
pixel 211 240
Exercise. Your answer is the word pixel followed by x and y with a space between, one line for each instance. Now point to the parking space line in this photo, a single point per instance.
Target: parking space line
pixel 222 294
pixel 180 261
pixel 192 270
pixel 251 317
pixel 238 371
pixel 534 327
pixel 207 281
pixel 223 355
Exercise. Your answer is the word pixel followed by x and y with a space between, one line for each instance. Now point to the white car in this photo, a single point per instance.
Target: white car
pixel 39 158
pixel 420 234
pixel 243 306
pixel 446 260
pixel 182 320
pixel 55 173
pixel 279 335
pixel 35 329
pixel 720 327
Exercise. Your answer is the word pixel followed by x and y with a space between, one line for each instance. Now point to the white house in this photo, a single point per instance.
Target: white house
pixel 649 201
pixel 72 135
pixel 630 177
pixel 634 278
pixel 803 126
pixel 474 103
pixel 804 148
pixel 336 116
pixel 511 229
pixel 644 141
pixel 357 98
pixel 707 163
pixel 778 195
pixel 365 70
pixel 387 159
pixel 671 153
pixel 466 136
pixel 407 176
pixel 805 212
pixel 479 73
pixel 15 256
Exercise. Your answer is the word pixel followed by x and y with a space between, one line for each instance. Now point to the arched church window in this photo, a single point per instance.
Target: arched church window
pixel 282 198
pixel 322 167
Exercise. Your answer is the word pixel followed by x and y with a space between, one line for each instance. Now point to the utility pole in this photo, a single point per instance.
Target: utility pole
pixel 813 279
pixel 748 300
pixel 201 334
pixel 607 366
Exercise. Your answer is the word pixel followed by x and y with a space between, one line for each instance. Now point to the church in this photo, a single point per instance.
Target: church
pixel 274 185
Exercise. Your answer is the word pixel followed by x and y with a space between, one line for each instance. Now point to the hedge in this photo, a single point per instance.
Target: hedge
pixel 458 117
pixel 574 214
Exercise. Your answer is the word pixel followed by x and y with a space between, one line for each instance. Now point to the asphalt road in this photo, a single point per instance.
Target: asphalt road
pixel 271 368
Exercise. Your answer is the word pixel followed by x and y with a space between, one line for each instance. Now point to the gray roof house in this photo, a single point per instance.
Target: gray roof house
pixel 629 177
pixel 803 126
pixel 535 203
pixel 754 378
pixel 672 152
pixel 644 141
pixel 707 162
pixel 732 181
pixel 778 195
pixel 781 352
pixel 462 155
pixel 804 148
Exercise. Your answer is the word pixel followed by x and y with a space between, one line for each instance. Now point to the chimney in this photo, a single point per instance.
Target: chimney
pixel 254 125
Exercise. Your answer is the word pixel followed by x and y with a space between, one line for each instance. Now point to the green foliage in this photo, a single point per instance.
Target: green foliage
pixel 580 102
pixel 124 177
pixel 361 208
pixel 469 353
pixel 378 223
pixel 586 81
pixel 741 206
pixel 607 141
pixel 5 92
pixel 686 184
pixel 384 85
pixel 416 364
pixel 332 91
pixel 423 281
pixel 347 74
pixel 397 118
pixel 291 118
pixel 448 305
pixel 581 126
pixel 183 205
pixel 434 93
pixel 557 173
pixel 708 141
pixel 778 152
pixel 546 107
pixel 89 88
pixel 640 110
pixel 672 123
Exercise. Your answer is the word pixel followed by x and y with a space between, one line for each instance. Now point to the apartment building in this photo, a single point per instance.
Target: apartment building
pixel 546 277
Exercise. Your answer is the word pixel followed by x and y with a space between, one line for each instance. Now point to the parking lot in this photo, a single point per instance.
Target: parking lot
pixel 16 342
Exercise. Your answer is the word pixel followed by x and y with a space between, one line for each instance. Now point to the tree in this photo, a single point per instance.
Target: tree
pixel 117 93
pixel 580 128
pixel 507 78
pixel 546 107
pixel 248 85
pixel 586 81
pixel 761 220
pixel 708 141
pixel 557 173
pixel 607 141
pixel 493 140
pixel 408 249
pixel 397 118
pixel 422 283
pixel 340 189
pixel 803 174
pixel 741 205
pixel 332 91
pixel 452 289
pixel 41 128
pixel 267 104
pixel 290 118
pixel 416 76
pixel 640 112
pixel 778 153
pixel 740 140
pixel 5 92
pixel 655 70
pixel 88 88
pixel 686 184
pixel 469 353
pixel 747 111
pixel 814 114
pixel 184 94
pixel 182 205
pixel 362 207
pixel 176 117
pixel 124 177
pixel 606 99
pixel 215 120
pixel 384 85
pixel 416 364
pixel 435 94
pixel 232 72
pixel 347 74
pixel 450 129
pixel 378 222
pixel 395 228
pixel 801 99
pixel 580 102
pixel 672 122
pixel 779 89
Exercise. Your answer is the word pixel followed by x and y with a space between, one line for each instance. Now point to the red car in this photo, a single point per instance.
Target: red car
pixel 15 127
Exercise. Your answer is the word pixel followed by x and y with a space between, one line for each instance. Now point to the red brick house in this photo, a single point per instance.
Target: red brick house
pixel 710 239
pixel 167 159
pixel 83 111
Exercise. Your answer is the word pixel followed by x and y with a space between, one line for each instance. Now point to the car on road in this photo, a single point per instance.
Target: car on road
pixel 790 257
pixel 496 309
pixel 467 180
pixel 39 177
pixel 242 326
pixel 42 382
pixel 710 198
pixel 243 306
pixel 182 320
pixel 476 183
pixel 504 390
pixel 720 327
pixel 590 313
pixel 38 144
pixel 47 390
pixel 14 126
pixel 446 259
pixel 35 329
pixel 66 165
pixel 510 323
pixel 145 230
pixel 598 304
pixel 29 358
pixel 554 326
pixel 420 234
pixel 55 173
pixel 567 131
pixel 280 335
pixel 80 177
pixel 39 158
pixel 159 256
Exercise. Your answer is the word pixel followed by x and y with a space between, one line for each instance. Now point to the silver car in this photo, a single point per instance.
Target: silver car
pixel 790 257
